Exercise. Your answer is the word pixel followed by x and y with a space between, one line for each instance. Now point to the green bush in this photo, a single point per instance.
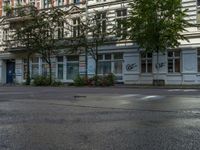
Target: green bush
pixel 107 80
pixel 110 79
pixel 45 81
pixel 79 81
pixel 57 83
pixel 41 81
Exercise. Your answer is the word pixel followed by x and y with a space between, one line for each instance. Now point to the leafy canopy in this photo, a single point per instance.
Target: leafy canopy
pixel 156 25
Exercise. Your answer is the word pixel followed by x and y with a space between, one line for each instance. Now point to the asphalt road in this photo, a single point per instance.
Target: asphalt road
pixel 46 118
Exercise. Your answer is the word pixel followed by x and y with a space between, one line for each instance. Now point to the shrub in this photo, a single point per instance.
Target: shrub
pixel 41 81
pixel 107 80
pixel 57 83
pixel 79 81
pixel 110 79
pixel 45 81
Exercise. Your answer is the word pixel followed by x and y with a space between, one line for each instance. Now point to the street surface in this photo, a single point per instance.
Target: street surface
pixel 67 118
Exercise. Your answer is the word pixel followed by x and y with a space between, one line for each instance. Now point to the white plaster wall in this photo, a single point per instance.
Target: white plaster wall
pixel 131 68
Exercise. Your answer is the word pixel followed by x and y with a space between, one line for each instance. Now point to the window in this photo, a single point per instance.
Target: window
pixel 104 64
pixel 45 68
pixel 60 2
pixel 35 67
pixel 146 62
pixel 5 35
pixel 72 67
pixel 60 67
pixel 198 59
pixel 101 0
pixel 118 63
pixel 60 30
pixel 76 27
pixel 46 3
pixel 32 2
pixel 101 22
pixel 120 23
pixel 76 1
pixel 198 2
pixel 111 63
pixel 174 61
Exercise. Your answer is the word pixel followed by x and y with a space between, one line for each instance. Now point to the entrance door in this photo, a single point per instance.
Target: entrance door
pixel 10 71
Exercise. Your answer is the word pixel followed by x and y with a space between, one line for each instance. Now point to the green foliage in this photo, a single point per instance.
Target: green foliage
pixel 107 80
pixel 7 8
pixel 41 81
pixel 45 81
pixel 56 83
pixel 79 81
pixel 157 25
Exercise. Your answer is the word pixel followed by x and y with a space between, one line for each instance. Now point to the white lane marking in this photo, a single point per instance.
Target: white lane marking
pixel 129 95
pixel 152 97
pixel 174 90
pixel 190 90
pixel 183 90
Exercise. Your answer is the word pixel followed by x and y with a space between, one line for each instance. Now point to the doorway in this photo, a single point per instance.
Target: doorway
pixel 10 71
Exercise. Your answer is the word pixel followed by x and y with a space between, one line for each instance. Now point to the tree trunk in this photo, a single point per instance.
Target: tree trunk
pixel 28 78
pixel 50 73
pixel 86 63
pixel 96 71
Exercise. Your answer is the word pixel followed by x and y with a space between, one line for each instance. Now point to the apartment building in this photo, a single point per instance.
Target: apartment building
pixel 122 57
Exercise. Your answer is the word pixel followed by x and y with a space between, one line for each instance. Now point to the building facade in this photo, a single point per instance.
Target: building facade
pixel 122 57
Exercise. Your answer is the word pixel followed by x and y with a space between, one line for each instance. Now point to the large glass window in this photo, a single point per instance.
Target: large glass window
pixel 146 62
pixel 35 67
pixel 60 67
pixel 198 59
pixel 76 1
pixel 111 63
pixel 120 23
pixel 174 61
pixel 45 68
pixel 104 64
pixel 60 2
pixel 72 67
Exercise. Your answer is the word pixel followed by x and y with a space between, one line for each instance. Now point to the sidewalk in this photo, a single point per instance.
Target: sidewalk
pixel 157 87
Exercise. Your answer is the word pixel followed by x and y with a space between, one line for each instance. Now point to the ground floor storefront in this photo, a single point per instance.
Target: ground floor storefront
pixel 178 66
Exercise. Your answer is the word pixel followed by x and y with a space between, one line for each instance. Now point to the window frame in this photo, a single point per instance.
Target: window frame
pixel 146 59
pixel 121 16
pixel 174 58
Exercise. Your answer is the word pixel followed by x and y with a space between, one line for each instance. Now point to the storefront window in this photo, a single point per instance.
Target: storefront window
pixel 45 68
pixel 25 68
pixel 35 67
pixel 60 67
pixel 104 67
pixel 111 63
pixel 72 67
pixel 118 63
pixel 198 59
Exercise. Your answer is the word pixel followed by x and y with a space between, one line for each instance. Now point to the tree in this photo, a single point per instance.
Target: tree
pixel 45 40
pixel 23 33
pixel 157 25
pixel 37 33
pixel 96 31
